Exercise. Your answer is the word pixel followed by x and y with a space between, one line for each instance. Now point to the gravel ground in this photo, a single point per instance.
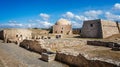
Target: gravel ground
pixel 23 57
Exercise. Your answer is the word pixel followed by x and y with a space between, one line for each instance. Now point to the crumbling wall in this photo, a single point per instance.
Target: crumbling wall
pixel 100 43
pixel 109 28
pixel 77 60
pixel 113 45
pixel 34 45
pixel 16 34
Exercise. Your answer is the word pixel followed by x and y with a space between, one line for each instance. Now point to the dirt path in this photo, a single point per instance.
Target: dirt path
pixel 12 55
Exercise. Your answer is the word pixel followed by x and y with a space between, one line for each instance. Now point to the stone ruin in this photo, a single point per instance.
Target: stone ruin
pixel 99 28
pixel 15 35
pixel 62 26
pixel 113 45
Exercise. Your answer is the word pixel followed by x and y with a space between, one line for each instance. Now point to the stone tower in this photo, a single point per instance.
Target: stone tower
pixel 99 28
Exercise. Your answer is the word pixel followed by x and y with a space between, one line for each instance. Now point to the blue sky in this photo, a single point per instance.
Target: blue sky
pixel 44 13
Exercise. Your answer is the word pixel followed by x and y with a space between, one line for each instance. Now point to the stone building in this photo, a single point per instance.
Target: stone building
pixel 14 35
pixel 99 28
pixel 62 26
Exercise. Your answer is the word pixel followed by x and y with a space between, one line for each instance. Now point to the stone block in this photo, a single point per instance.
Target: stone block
pixel 48 56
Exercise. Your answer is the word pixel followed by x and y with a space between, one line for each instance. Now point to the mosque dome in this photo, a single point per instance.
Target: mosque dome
pixel 63 22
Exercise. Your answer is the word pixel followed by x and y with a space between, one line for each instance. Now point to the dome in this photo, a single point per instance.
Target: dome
pixel 63 22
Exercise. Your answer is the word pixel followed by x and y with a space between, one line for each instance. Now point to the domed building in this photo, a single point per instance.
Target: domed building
pixel 62 26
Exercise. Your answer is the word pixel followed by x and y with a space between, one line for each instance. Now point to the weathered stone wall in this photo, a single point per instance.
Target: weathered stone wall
pixel 115 46
pixel 16 34
pixel 91 29
pixel 99 28
pixel 109 28
pixel 77 60
pixel 62 29
pixel 100 43
pixel 34 45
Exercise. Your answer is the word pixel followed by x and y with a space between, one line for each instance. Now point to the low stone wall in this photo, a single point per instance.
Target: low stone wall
pixel 100 43
pixel 114 46
pixel 77 60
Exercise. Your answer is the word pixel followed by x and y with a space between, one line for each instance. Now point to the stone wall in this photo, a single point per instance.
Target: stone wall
pixel 115 46
pixel 100 43
pixel 109 28
pixel 62 29
pixel 77 60
pixel 91 29
pixel 16 34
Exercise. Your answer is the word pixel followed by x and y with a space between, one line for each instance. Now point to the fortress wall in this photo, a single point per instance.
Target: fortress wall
pixel 109 28
pixel 91 29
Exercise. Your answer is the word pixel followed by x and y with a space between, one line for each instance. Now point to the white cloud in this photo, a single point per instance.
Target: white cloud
pixel 76 20
pixel 16 24
pixel 111 16
pixel 11 25
pixel 117 6
pixel 12 21
pixel 76 24
pixel 72 16
pixel 39 24
pixel 45 24
pixel 93 14
pixel 42 24
pixel 30 20
pixel 68 15
pixel 44 16
pixel 81 18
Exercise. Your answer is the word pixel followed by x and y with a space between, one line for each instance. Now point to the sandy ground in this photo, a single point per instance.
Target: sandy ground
pixel 12 55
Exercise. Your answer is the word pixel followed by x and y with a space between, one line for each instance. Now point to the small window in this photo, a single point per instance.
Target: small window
pixel 61 31
pixel 20 35
pixel 16 35
pixel 91 25
pixel 55 31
